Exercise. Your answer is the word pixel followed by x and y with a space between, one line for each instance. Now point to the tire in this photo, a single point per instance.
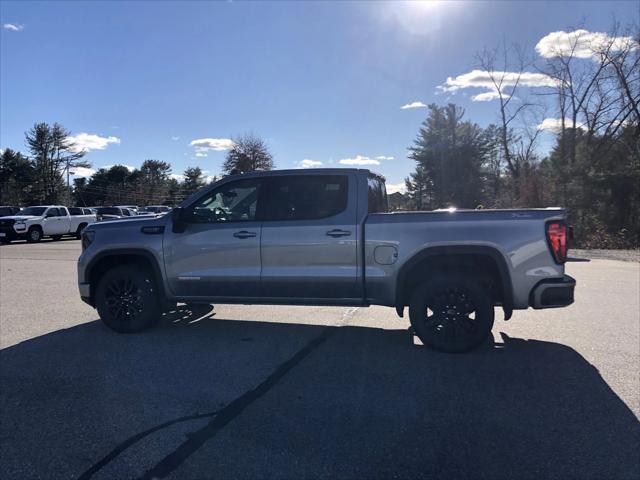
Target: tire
pixel 127 299
pixel 55 238
pixel 79 230
pixel 451 313
pixel 34 235
pixel 5 241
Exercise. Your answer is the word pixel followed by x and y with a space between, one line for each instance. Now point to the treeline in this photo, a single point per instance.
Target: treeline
pixel 593 166
pixel 43 175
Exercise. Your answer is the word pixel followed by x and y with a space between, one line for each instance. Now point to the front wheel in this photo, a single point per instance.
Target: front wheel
pixel 451 313
pixel 34 235
pixel 127 299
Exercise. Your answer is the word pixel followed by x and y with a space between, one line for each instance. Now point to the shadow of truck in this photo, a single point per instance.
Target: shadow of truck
pixel 273 400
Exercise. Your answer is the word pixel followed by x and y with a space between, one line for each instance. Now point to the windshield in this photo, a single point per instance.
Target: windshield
pixel 35 211
pixel 108 211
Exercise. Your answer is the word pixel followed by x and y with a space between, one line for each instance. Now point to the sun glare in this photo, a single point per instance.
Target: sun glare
pixel 425 4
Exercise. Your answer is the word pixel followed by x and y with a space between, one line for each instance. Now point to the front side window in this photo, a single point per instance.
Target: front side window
pixel 231 202
pixel 305 197
pixel 53 212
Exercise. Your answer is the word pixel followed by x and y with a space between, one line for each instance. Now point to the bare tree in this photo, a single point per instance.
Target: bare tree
pixel 248 153
pixel 506 80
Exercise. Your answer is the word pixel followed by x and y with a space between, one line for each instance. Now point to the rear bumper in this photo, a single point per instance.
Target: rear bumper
pixel 553 293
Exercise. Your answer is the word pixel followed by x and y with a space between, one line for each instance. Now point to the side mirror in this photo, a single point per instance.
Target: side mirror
pixel 177 220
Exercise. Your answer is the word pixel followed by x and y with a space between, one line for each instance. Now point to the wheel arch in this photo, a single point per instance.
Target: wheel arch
pixel 462 257
pixel 105 261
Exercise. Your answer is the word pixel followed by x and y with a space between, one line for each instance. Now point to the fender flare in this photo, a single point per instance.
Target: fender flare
pixel 492 252
pixel 139 252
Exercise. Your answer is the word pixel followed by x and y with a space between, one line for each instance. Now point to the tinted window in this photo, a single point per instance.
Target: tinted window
pixel 35 211
pixel 53 212
pixel 75 211
pixel 108 211
pixel 308 197
pixel 377 195
pixel 6 211
pixel 231 202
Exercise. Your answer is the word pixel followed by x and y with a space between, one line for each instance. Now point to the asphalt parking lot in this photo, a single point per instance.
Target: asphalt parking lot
pixel 312 392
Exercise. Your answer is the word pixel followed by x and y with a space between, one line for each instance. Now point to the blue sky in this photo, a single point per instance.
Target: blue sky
pixel 320 81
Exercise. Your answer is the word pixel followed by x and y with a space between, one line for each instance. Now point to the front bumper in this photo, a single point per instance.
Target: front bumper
pixel 85 293
pixel 553 293
pixel 11 234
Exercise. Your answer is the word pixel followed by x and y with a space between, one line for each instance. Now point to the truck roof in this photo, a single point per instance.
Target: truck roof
pixel 326 171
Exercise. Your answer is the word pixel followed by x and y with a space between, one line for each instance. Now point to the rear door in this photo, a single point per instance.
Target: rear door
pixel 65 221
pixel 309 237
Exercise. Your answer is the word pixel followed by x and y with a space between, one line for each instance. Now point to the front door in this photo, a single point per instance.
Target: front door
pixel 52 222
pixel 309 237
pixel 218 253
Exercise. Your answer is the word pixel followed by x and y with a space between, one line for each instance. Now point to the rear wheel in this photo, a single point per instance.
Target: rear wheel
pixel 451 313
pixel 79 230
pixel 34 235
pixel 127 299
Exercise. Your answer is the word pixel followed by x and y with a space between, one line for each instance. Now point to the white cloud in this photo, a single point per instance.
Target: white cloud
pixel 359 160
pixel 555 124
pixel 14 27
pixel 413 105
pixel 203 145
pixel 82 172
pixel 177 176
pixel 175 138
pixel 396 187
pixel 88 141
pixel 487 96
pixel 581 44
pixel 306 163
pixel 382 157
pixel 482 79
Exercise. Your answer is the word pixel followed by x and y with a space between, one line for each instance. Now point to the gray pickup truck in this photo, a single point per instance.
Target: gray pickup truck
pixel 324 237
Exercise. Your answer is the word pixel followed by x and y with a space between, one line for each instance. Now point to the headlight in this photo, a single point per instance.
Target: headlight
pixel 87 238
pixel 20 224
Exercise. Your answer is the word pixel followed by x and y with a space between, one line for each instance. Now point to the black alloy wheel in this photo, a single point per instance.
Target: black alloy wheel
pixel 127 300
pixel 451 313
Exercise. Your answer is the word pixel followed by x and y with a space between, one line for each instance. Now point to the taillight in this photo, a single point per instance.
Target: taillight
pixel 557 238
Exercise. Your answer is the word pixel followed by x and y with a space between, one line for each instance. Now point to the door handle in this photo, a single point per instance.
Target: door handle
pixel 244 234
pixel 336 232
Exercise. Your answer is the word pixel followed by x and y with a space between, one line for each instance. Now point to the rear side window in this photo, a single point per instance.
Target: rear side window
pixel 377 195
pixel 305 197
pixel 75 211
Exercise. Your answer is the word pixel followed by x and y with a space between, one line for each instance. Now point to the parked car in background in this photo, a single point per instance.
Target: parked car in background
pixel 324 237
pixel 5 210
pixel 132 208
pixel 113 213
pixel 77 211
pixel 157 208
pixel 34 223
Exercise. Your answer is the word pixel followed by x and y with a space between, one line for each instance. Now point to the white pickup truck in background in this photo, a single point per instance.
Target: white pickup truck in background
pixel 34 223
